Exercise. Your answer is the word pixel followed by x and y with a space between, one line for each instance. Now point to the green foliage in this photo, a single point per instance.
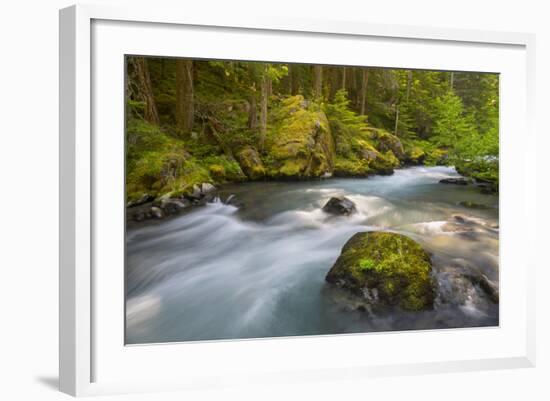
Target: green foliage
pixel 157 163
pixel 450 123
pixel 437 117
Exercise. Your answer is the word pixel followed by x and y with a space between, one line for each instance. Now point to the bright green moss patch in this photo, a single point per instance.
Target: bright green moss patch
pixel 386 269
pixel 367 264
pixel 351 167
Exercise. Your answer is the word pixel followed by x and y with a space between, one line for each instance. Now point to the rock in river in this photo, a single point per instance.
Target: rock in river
pixel 456 181
pixel 340 206
pixel 385 269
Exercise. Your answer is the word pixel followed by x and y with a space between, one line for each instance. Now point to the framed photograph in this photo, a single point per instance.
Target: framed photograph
pixel 271 201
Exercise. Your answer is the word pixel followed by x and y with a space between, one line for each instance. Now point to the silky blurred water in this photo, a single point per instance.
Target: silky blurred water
pixel 221 272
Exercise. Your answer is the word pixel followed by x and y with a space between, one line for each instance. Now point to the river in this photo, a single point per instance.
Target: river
pixel 222 272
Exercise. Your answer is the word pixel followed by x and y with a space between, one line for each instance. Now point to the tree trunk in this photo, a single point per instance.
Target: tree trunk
pixel 364 83
pixel 253 111
pixel 452 80
pixel 294 79
pixel 396 119
pixel 145 90
pixel 185 108
pixel 317 81
pixel 344 78
pixel 263 111
pixel 409 83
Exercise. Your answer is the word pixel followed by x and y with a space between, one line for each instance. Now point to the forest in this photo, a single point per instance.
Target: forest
pixel 190 122
pixel 273 199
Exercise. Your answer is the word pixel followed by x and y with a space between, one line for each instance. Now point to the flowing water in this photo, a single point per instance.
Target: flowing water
pixel 222 272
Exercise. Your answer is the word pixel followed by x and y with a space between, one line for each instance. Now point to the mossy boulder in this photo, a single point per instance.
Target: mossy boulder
pixel 159 164
pixel 300 144
pixel 436 157
pixel 384 141
pixel 351 167
pixel 415 155
pixel 250 163
pixel 385 269
pixel 364 159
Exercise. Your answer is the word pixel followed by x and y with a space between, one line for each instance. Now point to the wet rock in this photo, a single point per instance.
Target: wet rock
pixel 385 269
pixel 486 188
pixel 455 181
pixel 454 288
pixel 461 284
pixel 173 206
pixel 489 287
pixel 196 192
pixel 387 142
pixel 157 212
pixel 141 215
pixel 340 206
pixel 473 205
pixel 207 188
pixel 234 201
pixel 144 199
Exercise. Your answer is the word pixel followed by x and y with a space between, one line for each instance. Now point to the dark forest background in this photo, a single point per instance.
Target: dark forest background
pixel 194 121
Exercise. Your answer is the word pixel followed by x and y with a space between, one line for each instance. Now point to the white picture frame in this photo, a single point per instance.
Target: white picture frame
pixel 86 352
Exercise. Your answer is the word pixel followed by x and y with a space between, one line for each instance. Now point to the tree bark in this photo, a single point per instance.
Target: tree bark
pixel 253 111
pixel 317 81
pixel 263 111
pixel 396 119
pixel 344 78
pixel 185 108
pixel 364 83
pixel 145 90
pixel 409 83
pixel 294 79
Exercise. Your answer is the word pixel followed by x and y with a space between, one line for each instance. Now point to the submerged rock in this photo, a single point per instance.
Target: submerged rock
pixel 233 201
pixel 455 181
pixel 340 206
pixel 473 205
pixel 489 287
pixel 464 286
pixel 385 269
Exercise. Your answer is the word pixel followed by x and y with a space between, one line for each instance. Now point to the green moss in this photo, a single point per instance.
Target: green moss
pixel 250 163
pixel 351 167
pixel 384 141
pixel 293 168
pixel 217 171
pixel 486 171
pixel 158 163
pixel 367 264
pixel 393 264
pixel 223 169
pixel 415 155
pixel 299 143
